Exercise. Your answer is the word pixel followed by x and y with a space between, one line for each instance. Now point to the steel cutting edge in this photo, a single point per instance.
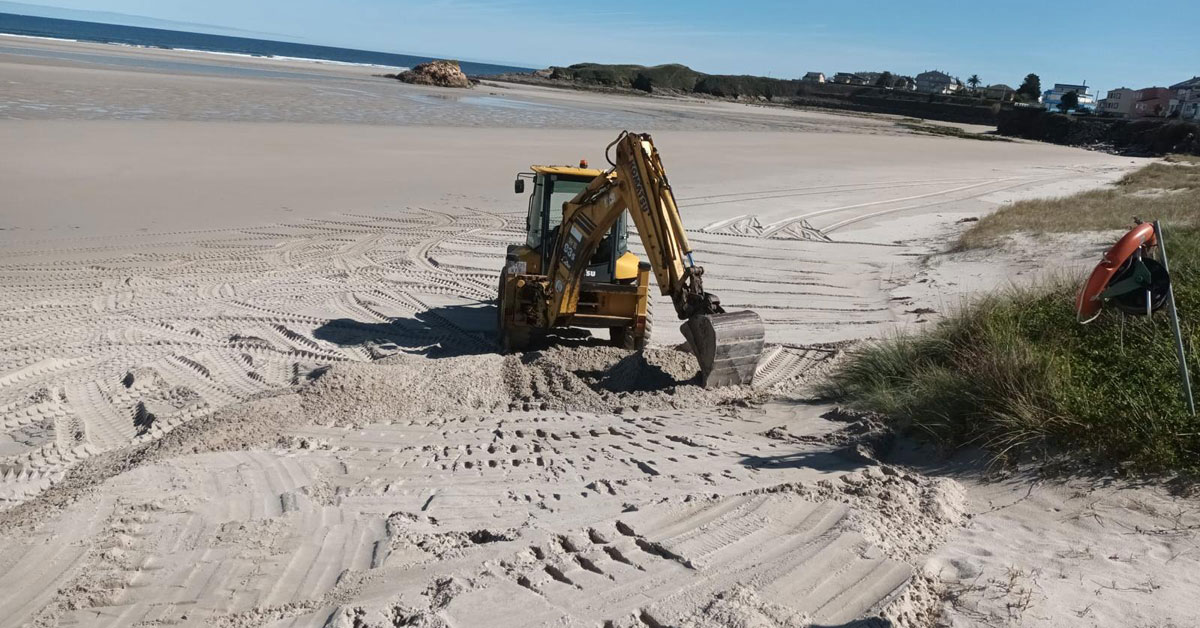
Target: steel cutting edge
pixel 726 345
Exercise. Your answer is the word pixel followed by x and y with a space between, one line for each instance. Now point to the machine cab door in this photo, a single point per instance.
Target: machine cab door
pixel 550 191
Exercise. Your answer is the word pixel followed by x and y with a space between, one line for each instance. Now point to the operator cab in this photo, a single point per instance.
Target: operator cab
pixel 553 186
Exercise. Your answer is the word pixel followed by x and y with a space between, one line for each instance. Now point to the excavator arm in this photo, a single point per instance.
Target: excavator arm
pixel 727 345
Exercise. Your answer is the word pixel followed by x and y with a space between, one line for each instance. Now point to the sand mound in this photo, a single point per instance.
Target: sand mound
pixel 439 73
pixel 742 607
pixel 601 379
pixel 904 514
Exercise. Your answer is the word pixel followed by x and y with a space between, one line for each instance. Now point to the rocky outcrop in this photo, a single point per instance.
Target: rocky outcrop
pixel 1144 138
pixel 438 73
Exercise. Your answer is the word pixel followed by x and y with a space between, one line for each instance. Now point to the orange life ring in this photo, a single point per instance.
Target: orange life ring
pixel 1088 304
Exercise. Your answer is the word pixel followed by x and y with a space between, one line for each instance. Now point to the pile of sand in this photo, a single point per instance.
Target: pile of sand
pixel 438 73
pixel 597 379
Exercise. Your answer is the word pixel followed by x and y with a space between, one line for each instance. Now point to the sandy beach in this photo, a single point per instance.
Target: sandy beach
pixel 248 374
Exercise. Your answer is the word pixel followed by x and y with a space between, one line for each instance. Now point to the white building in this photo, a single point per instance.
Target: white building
pixel 1053 97
pixel 1185 99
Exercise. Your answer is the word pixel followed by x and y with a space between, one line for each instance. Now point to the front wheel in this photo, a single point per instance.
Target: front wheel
pixel 624 338
pixel 512 339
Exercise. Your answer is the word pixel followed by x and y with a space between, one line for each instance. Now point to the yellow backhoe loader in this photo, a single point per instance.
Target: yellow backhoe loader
pixel 575 269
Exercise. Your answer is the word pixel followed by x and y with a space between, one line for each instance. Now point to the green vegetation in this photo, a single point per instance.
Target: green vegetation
pixel 660 77
pixel 727 86
pixel 919 126
pixel 1168 192
pixel 1030 89
pixel 677 78
pixel 1069 102
pixel 1016 374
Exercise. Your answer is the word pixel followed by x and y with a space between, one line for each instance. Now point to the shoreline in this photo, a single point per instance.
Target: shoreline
pixel 236 55
pixel 158 84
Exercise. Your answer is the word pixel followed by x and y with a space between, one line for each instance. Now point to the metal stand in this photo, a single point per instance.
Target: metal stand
pixel 1184 378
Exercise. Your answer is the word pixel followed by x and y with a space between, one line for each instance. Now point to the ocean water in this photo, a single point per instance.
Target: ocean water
pixel 180 40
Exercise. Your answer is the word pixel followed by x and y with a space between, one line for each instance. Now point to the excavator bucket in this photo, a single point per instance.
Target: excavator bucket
pixel 727 346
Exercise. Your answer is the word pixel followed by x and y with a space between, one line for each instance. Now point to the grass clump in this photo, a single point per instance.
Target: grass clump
pixel 1015 373
pixel 1183 159
pixel 919 126
pixel 1169 192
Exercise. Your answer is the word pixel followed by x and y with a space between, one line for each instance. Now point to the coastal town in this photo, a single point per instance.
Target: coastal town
pixel 1179 101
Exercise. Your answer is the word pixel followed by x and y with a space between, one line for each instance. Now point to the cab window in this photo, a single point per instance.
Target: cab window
pixel 552 192
pixel 533 221
pixel 562 191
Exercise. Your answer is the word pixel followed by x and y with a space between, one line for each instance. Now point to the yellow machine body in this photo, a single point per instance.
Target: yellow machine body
pixel 618 301
pixel 575 269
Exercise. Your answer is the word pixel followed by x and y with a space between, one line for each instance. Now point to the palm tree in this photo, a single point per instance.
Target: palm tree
pixel 974 81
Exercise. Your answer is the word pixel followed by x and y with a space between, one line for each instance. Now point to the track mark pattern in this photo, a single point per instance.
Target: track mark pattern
pixel 650 567
pixel 146 334
pixel 120 340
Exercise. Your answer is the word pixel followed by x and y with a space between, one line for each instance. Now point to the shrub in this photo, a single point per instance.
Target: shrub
pixel 1015 373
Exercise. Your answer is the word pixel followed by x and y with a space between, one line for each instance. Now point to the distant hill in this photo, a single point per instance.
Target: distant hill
pixel 674 77
pixel 671 76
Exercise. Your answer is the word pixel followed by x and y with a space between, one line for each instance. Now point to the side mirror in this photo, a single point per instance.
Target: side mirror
pixel 519 186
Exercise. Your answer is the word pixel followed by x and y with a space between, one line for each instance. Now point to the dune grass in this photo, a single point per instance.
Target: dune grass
pixel 1015 373
pixel 920 126
pixel 1164 191
pixel 1183 159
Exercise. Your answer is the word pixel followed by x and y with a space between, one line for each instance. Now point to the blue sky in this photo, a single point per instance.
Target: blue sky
pixel 1107 43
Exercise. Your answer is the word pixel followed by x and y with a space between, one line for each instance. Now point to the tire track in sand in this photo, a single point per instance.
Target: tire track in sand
pixel 239 313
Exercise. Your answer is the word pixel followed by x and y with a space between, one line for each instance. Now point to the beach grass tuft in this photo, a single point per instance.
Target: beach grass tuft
pixel 923 128
pixel 1169 192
